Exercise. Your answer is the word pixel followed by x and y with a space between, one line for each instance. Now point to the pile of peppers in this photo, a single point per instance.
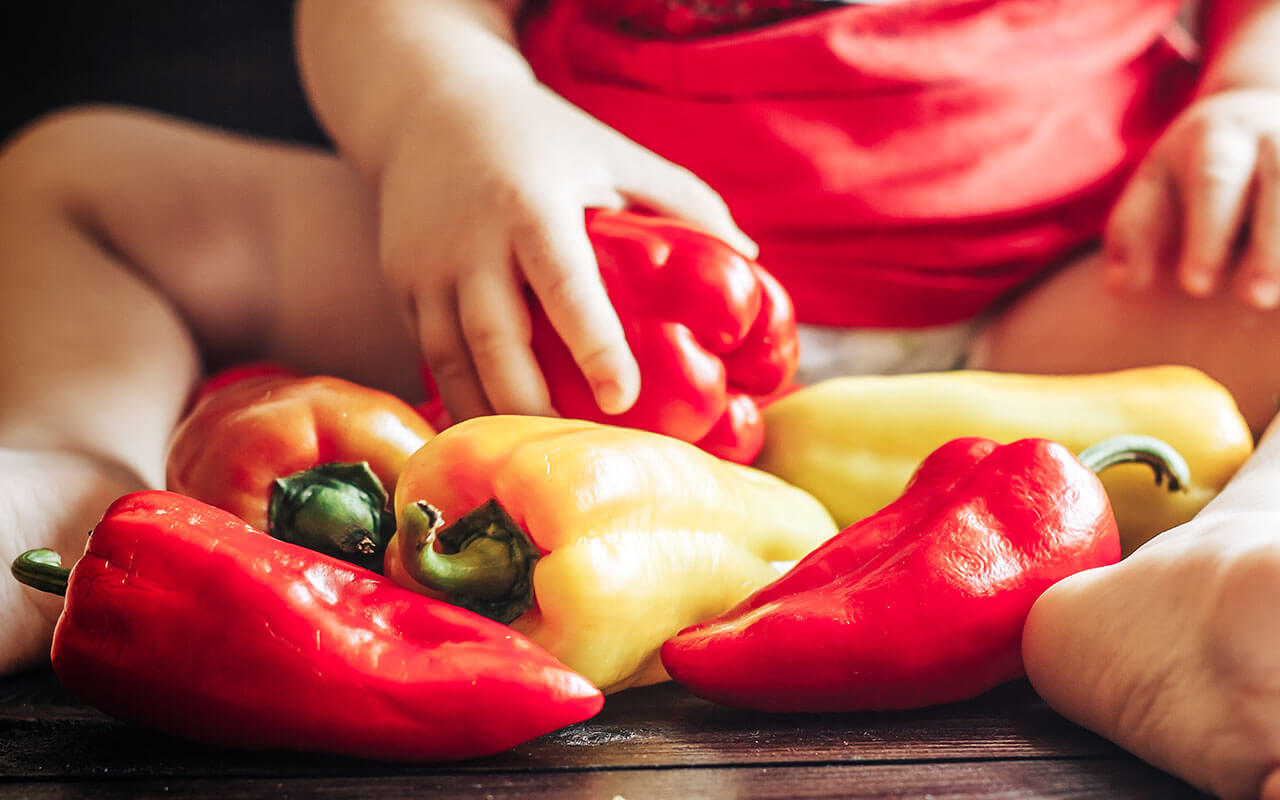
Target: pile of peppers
pixel 533 565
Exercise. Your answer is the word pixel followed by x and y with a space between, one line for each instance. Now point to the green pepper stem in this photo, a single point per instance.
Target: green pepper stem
pixel 335 508
pixel 41 569
pixel 484 561
pixel 1169 466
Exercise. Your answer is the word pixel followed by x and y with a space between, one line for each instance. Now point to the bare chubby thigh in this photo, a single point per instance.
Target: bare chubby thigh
pixel 1072 323
pixel 264 250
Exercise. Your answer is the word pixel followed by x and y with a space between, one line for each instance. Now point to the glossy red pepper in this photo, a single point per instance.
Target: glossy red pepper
pixel 309 459
pixel 182 618
pixel 924 601
pixel 708 328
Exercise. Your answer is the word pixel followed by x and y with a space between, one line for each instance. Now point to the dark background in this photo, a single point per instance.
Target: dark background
pixel 223 62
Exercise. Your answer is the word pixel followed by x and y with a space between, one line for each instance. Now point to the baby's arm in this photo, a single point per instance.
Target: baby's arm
pixel 482 176
pixel 1212 181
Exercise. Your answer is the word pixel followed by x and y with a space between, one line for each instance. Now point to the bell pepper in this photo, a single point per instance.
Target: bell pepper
pixel 598 542
pixel 853 442
pixel 182 618
pixel 309 459
pixel 709 329
pixel 924 601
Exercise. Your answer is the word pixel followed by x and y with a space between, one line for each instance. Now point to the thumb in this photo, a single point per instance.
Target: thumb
pixel 655 183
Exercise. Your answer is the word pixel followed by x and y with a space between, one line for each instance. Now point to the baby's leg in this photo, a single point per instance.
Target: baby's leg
pixel 1175 652
pixel 134 249
pixel 1072 324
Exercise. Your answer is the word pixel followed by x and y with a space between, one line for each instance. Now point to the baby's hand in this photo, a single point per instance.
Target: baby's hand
pixel 1206 200
pixel 484 194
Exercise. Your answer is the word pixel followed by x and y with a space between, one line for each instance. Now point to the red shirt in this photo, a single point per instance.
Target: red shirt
pixel 900 165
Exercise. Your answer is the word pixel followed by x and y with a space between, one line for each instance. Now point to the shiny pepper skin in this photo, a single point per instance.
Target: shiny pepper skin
pixel 182 618
pixel 598 542
pixel 921 603
pixel 710 331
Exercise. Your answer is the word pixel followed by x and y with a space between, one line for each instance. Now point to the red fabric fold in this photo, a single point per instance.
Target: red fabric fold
pixel 900 165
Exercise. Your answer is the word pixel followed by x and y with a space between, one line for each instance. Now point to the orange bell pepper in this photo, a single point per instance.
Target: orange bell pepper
pixel 307 459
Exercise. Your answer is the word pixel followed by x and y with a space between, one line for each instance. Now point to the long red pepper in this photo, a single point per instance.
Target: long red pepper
pixel 924 601
pixel 182 618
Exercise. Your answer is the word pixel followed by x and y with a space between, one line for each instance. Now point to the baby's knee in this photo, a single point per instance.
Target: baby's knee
pixel 34 160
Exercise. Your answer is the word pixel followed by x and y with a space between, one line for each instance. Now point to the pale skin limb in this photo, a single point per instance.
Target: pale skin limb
pixel 483 175
pixel 1174 653
pixel 131 246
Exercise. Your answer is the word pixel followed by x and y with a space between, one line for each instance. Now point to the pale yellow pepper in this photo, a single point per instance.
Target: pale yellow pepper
pixel 853 442
pixel 629 536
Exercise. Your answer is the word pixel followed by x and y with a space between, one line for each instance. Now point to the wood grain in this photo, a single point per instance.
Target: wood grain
pixel 654 742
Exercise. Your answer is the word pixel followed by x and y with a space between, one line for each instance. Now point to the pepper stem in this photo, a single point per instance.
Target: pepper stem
pixel 41 569
pixel 1168 464
pixel 337 508
pixel 484 561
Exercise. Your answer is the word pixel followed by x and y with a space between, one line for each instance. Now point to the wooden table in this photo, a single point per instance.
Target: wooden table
pixel 656 742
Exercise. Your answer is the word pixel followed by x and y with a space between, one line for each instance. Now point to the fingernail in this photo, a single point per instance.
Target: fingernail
pixel 1265 293
pixel 610 397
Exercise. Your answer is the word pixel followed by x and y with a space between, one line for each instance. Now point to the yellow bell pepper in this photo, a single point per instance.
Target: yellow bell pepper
pixel 597 542
pixel 853 442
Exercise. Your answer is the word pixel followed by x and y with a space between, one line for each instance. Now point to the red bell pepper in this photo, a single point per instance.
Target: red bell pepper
pixel 311 460
pixel 182 618
pixel 708 328
pixel 924 601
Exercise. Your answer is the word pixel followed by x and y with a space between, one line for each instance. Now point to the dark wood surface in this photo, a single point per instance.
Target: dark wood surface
pixel 656 742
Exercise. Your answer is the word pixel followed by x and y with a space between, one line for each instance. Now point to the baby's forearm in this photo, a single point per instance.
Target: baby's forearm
pixel 1240 45
pixel 368 66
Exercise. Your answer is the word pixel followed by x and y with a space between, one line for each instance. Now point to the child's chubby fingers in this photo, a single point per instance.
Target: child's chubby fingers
pixel 1142 230
pixel 1214 185
pixel 444 348
pixel 553 250
pixel 495 323
pixel 655 183
pixel 1257 281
